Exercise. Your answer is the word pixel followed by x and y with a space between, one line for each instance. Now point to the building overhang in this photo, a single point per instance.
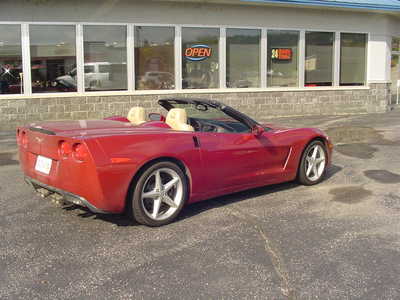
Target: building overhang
pixel 382 6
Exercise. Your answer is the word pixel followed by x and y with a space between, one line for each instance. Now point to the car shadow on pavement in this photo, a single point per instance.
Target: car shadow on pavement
pixel 200 207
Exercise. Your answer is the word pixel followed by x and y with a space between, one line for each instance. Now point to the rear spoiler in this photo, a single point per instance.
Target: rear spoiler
pixel 41 130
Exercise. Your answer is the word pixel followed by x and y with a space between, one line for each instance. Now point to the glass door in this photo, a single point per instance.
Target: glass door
pixel 395 78
pixel 395 71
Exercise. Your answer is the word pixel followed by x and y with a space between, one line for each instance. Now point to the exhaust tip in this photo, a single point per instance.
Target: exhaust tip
pixel 57 199
pixel 43 192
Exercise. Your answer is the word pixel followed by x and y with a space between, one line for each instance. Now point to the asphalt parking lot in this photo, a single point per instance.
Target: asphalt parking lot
pixel 337 240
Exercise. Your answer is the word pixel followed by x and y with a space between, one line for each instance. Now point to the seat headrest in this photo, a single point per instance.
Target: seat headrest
pixel 137 115
pixel 177 119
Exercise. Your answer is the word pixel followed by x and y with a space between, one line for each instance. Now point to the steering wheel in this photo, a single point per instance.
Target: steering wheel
pixel 219 127
pixel 208 126
pixel 195 124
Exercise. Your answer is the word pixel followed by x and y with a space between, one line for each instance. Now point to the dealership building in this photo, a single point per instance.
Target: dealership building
pixel 91 59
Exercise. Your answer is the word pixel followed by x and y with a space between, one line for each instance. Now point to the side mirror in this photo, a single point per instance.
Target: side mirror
pixel 257 130
pixel 156 117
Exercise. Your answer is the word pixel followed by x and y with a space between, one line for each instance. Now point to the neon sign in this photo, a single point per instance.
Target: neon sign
pixel 282 54
pixel 198 52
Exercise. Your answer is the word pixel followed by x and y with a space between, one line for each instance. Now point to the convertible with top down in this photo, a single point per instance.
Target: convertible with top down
pixel 151 166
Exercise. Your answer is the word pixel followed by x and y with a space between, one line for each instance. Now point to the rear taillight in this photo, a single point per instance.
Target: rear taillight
pixel 80 152
pixel 24 139
pixel 65 149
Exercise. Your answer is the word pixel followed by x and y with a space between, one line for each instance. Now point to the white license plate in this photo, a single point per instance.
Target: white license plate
pixel 43 164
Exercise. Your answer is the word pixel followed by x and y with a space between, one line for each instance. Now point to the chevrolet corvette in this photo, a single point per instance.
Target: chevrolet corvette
pixel 151 166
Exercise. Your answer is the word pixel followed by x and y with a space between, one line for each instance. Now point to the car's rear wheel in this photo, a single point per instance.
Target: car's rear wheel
pixel 313 163
pixel 159 194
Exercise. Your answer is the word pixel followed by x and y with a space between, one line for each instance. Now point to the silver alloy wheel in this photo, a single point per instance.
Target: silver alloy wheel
pixel 162 194
pixel 315 162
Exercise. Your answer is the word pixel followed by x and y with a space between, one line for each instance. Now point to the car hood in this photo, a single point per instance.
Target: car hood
pixel 91 127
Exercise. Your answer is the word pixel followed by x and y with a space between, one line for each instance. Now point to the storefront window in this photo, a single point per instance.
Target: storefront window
pixel 11 78
pixel 105 58
pixel 200 58
pixel 353 48
pixel 319 59
pixel 282 58
pixel 243 58
pixel 154 58
pixel 395 44
pixel 52 58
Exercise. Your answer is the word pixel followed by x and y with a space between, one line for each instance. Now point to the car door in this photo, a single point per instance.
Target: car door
pixel 236 160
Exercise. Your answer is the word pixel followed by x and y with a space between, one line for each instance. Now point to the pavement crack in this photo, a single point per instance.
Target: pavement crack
pixel 271 251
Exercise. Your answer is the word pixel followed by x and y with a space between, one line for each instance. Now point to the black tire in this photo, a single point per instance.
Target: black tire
pixel 136 208
pixel 302 178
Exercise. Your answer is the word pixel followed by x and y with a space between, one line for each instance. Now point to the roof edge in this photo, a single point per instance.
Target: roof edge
pixel 361 6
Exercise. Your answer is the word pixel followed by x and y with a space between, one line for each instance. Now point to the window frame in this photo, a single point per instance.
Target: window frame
pixel 260 45
pixel 28 63
pixel 300 56
pixel 335 57
pixel 82 41
pixel 176 52
pixel 22 34
pixel 222 88
pixel 221 55
pixel 338 52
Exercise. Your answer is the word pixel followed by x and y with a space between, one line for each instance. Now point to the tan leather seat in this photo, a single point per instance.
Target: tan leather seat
pixel 177 120
pixel 137 115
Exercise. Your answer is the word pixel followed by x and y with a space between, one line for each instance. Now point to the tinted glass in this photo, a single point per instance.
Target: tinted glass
pixel 319 59
pixel 208 119
pixel 154 58
pixel 52 58
pixel 200 58
pixel 10 60
pixel 243 58
pixel 353 48
pixel 282 58
pixel 105 48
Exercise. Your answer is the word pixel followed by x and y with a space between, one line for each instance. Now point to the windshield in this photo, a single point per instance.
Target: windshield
pixel 207 118
pixel 203 112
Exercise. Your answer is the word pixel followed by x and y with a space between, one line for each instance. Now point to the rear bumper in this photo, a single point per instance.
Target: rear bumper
pixel 63 195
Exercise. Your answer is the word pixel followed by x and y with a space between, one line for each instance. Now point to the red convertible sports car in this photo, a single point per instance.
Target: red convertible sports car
pixel 152 168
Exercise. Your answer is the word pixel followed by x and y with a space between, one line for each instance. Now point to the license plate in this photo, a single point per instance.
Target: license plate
pixel 43 164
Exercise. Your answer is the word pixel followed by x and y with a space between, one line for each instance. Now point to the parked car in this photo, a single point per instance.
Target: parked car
pixel 151 169
pixel 98 76
pixel 157 80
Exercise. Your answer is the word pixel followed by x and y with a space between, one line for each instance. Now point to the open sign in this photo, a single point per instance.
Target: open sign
pixel 198 52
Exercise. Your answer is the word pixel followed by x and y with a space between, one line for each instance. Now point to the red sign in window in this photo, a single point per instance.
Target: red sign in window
pixel 282 54
pixel 198 52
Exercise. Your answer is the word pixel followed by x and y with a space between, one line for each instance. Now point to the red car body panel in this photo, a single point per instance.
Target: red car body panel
pixel 215 163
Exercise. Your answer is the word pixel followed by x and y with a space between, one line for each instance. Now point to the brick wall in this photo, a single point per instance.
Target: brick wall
pixel 260 105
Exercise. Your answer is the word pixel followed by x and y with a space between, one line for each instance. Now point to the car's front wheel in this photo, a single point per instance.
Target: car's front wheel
pixel 160 194
pixel 313 163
